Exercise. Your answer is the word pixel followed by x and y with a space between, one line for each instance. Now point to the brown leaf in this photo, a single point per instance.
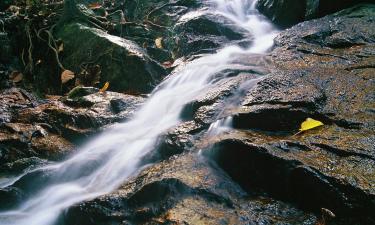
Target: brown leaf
pixel 105 87
pixel 159 42
pixel 16 76
pixel 66 76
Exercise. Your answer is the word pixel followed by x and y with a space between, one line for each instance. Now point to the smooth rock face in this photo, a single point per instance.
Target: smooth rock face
pixel 279 11
pixel 199 32
pixel 123 63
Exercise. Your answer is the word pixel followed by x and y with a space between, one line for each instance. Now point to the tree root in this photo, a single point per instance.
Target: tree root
pixel 29 67
pixel 54 48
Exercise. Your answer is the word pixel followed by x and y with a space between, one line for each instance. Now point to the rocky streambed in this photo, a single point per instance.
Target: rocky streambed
pixel 258 172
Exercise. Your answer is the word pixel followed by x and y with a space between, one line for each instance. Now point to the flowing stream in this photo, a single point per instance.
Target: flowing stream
pixel 104 163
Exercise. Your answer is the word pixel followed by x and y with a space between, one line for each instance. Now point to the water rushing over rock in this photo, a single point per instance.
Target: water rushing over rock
pixel 104 163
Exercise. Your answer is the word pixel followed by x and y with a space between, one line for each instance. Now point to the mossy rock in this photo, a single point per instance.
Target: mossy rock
pixel 123 63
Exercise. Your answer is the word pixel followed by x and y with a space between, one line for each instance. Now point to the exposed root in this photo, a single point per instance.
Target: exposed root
pixel 54 48
pixel 29 67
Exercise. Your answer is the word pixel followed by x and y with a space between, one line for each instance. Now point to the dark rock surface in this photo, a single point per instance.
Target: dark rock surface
pixel 186 28
pixel 279 11
pixel 201 31
pixel 322 69
pixel 331 167
pixel 258 172
pixel 307 75
pixel 46 129
pixel 123 63
pixel 184 190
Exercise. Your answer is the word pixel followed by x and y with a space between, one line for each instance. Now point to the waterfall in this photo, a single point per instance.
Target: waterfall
pixel 104 163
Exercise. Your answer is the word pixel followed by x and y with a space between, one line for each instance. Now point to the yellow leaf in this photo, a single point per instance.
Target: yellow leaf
pixel 309 124
pixel 104 88
pixel 66 76
pixel 159 42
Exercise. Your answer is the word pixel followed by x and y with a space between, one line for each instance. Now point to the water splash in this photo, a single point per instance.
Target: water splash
pixel 104 163
pixel 220 126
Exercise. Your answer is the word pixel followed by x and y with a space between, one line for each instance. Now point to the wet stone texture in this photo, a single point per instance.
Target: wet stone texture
pixel 259 172
pixel 168 193
pixel 50 128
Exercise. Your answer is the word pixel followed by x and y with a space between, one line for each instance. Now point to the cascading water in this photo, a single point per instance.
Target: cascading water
pixel 105 163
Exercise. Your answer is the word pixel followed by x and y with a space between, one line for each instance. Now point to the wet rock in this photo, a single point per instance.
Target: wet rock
pixel 168 193
pixel 279 10
pixel 10 197
pixel 201 30
pixel 45 129
pixel 163 11
pixel 18 140
pixel 123 63
pixel 227 90
pixel 19 166
pixel 186 28
pixel 82 91
pixel 80 117
pixel 12 100
pixel 311 72
pixel 297 170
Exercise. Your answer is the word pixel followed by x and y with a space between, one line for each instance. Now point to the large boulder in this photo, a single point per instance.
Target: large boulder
pixel 122 62
pixel 204 31
pixel 289 12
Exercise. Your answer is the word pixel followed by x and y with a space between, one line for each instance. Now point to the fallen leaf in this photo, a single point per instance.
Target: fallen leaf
pixel 159 42
pixel 61 48
pixel 16 76
pixel 66 76
pixel 95 5
pixel 105 87
pixel 309 124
